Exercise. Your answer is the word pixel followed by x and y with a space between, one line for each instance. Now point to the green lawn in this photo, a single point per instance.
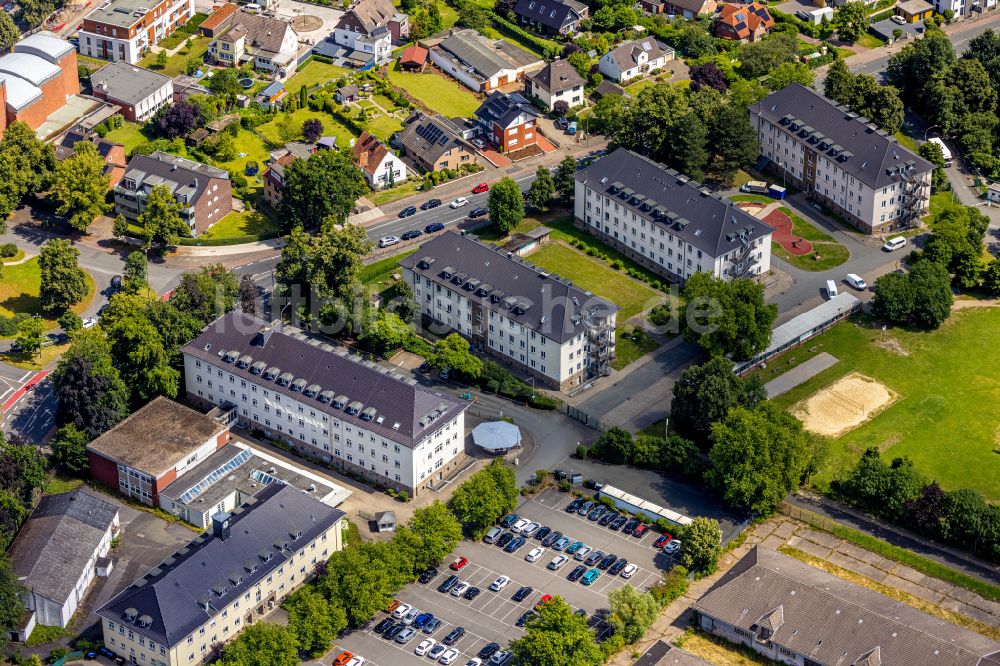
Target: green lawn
pixel 906 141
pixel 385 103
pixel 242 223
pixel 376 275
pixel 948 413
pixel 827 252
pixel 438 93
pixel 630 346
pixel 313 73
pixel 939 201
pixel 383 126
pixel 183 32
pixel 406 189
pixel 177 63
pixel 330 127
pixel 129 135
pixel 870 41
pixel 254 151
pixel 634 88
pixel 20 287
pixel 17 257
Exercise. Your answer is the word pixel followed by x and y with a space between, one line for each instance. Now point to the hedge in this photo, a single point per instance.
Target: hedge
pixel 231 240
pixel 520 34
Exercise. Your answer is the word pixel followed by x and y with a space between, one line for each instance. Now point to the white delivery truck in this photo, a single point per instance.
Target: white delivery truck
pixel 944 150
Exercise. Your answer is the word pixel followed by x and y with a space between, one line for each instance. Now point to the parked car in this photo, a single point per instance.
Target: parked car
pixel 573 547
pixel 432 625
pixel 525 616
pixel 608 560
pixel 672 547
pixel 492 535
pixel 594 558
pixel 405 635
pixel 478 212
pixel 582 553
pixel 509 520
pixel 89 322
pixel 505 539
pixel 393 631
pixel 557 562
pixel 500 583
pixel 459 202
pixel 515 543
pixel 562 123
pixel 640 530
pixel 617 567
pixel 479 143
pixel 562 543
pixel 408 211
pixel 449 582
pixel 593 485
pixel 343 658
pixel 428 575
pixel 459 589
pixel 458 564
pixel 519 525
pixel 436 651
pixel 431 228
pixel 617 523
pixel 444 374
pixel 401 611
pixel 424 647
pixel 502 658
pixel 454 635
pixel 590 576
pixel 472 593
pixel 662 541
pixel 534 554
pixel 551 538
pixel 575 505
pixel 421 620
pixel 629 571
pixel 488 650
pixel 116 282
pixel 529 529
pixel 480 188
pixel 383 625
pixel 575 574
pixel 411 234
pixel 411 617
pixel 449 657
pixel 608 518
pixel 522 593
pixel 388 241
pixel 585 508
pixel 631 525
pixel 425 367
pixel 596 513
pixel 542 532
pixel 393 605
pixel 546 599
pixel 430 203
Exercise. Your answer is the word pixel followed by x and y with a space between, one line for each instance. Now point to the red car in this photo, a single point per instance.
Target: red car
pixel 459 563
pixel 343 658
pixel 640 530
pixel 480 188
pixel 662 541
pixel 543 601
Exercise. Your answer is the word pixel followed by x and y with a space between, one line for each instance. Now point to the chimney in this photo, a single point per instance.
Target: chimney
pixel 220 526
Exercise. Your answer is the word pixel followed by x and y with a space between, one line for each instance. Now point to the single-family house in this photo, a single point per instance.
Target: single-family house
pixel 557 82
pixel 434 143
pixel 346 94
pixel 744 23
pixel 509 120
pixel 113 153
pixel 368 29
pixel 269 44
pixel 483 64
pixel 274 175
pixel 551 17
pixel 379 165
pixel 633 59
pixel 686 9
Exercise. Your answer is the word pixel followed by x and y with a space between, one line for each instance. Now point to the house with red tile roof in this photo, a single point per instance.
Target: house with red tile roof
pixel 379 165
pixel 745 23
pixel 414 57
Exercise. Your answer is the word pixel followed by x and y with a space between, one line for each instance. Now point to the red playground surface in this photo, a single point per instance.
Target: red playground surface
pixel 783 235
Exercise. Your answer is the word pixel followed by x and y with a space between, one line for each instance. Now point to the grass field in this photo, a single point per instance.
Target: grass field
pixel 46 356
pixel 869 41
pixel 906 141
pixel 381 125
pixel 406 189
pixel 253 150
pixel 439 94
pixel 830 252
pixel 270 131
pixel 20 287
pixel 129 135
pixel 939 201
pixel 313 73
pixel 241 223
pixel 177 63
pixel 948 416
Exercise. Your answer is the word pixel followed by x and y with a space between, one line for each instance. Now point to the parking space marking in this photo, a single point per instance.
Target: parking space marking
pixel 468 645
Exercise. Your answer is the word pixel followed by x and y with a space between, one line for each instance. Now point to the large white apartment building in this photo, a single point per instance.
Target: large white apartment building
pixel 841 160
pixel 667 222
pixel 537 322
pixel 124 29
pixel 224 580
pixel 325 402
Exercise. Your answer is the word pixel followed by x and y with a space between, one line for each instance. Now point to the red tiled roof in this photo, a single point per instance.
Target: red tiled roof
pixel 743 20
pixel 369 152
pixel 219 16
pixel 414 54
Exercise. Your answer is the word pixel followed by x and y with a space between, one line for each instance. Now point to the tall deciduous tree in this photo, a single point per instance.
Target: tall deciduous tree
pixel 315 621
pixel 506 205
pixel 485 497
pixel 454 353
pixel 136 272
pixel 69 449
pixel 63 281
pixel 691 146
pixel 364 578
pixel 557 637
pixel 9 32
pixel 632 612
pixel 248 295
pixel 429 536
pixel 139 354
pixel 702 545
pixel 206 294
pixel 727 317
pixel 542 188
pixel 29 337
pixel 705 393
pixel 92 395
pixel 320 191
pixel 180 119
pixel 851 20
pixel 734 142
pixel 161 218
pixel 262 644
pixel 564 181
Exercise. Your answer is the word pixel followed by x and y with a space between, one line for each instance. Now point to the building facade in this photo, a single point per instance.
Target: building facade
pixel 379 165
pixel 368 29
pixel 323 402
pixel 634 59
pixel 509 121
pixel 223 581
pixel 666 222
pixel 37 78
pixel 125 29
pixel 483 64
pixel 538 323
pixel 842 160
pixel 138 92
pixel 557 82
pixel 434 143
pixel 269 44
pixel 204 192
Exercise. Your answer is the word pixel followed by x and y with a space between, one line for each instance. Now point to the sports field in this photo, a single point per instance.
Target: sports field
pixel 946 386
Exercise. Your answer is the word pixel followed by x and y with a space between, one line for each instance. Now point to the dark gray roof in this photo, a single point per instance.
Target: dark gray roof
pixel 58 540
pixel 504 108
pixel 557 76
pixel 65 143
pixel 370 14
pixel 626 54
pixel 550 13
pixel 486 56
pixel 431 137
pixel 552 306
pixel 670 199
pixel 872 156
pixel 610 88
pixel 832 621
pixel 664 654
pixel 169 594
pixel 183 177
pixel 396 401
pixel 125 83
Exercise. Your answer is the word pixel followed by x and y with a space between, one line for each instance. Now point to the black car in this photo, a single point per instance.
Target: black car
pixel 525 616
pixel 631 525
pixel 515 544
pixel 478 212
pixel 580 612
pixel 617 523
pixel 607 518
pixel 408 211
pixel 574 505
pixel 576 573
pixel 607 561
pixel 431 228
pixel 594 558
pixel 617 567
pixel 542 532
pixel 472 593
pixel 505 539
pixel 450 582
pixel 425 367
pixel 597 512
pixel 428 575
pixel 551 538
pixel 522 594
pixel 383 625
pixel 430 203
pixel 411 234
pixel 488 650
pixel 393 631
pixel 432 625
pixel 453 636
pixel 585 508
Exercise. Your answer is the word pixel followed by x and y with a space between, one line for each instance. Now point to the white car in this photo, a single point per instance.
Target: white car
pixel 520 525
pixel 449 657
pixel 386 241
pixel 557 562
pixel 629 571
pixel 459 202
pixel 530 529
pixel 357 661
pixel 672 547
pixel 534 554
pixel 424 647
pixel 401 611
pixel 479 143
pixel 89 322
pixel 459 589
pixel 500 583
pixel 410 617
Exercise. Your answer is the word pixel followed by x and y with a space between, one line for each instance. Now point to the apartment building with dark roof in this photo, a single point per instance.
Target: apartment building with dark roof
pixel 551 17
pixel 668 222
pixel 325 402
pixel 509 120
pixel 542 325
pixel 796 614
pixel 841 160
pixel 223 580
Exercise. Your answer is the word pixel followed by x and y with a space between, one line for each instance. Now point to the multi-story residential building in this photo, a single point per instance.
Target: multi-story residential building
pixel 112 153
pixel 557 82
pixel 551 17
pixel 379 165
pixel 153 447
pixel 326 403
pixel 842 160
pixel 536 322
pixel 368 29
pixel 269 44
pixel 124 29
pixel 633 59
pixel 509 121
pixel 483 64
pixel 435 143
pixel 138 92
pixel 687 9
pixel 204 192
pixel 795 614
pixel 743 23
pixel 667 222
pixel 223 580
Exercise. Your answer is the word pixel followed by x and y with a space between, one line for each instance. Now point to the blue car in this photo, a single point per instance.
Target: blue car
pixel 515 544
pixel 562 543
pixel 574 547
pixel 422 619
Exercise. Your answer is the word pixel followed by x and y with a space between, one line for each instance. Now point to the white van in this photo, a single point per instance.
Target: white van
pixel 894 244
pixel 252 7
pixel 856 281
pixel 831 289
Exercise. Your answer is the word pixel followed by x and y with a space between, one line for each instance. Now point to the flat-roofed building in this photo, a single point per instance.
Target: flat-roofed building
pixel 125 29
pixel 137 91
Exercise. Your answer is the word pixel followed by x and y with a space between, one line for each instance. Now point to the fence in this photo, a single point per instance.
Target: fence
pixel 70 657
pixel 583 417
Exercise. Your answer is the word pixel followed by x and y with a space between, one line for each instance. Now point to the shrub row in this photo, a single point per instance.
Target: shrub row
pixel 523 36
pixel 8 250
pixel 619 265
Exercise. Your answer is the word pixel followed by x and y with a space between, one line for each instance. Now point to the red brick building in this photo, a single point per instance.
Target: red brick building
pixel 36 79
pixel 509 120
pixel 150 449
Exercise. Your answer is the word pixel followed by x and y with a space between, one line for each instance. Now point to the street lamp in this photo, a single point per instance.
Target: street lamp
pixel 928 130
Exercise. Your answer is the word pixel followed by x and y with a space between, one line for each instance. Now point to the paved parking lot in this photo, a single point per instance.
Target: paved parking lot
pixel 491 615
